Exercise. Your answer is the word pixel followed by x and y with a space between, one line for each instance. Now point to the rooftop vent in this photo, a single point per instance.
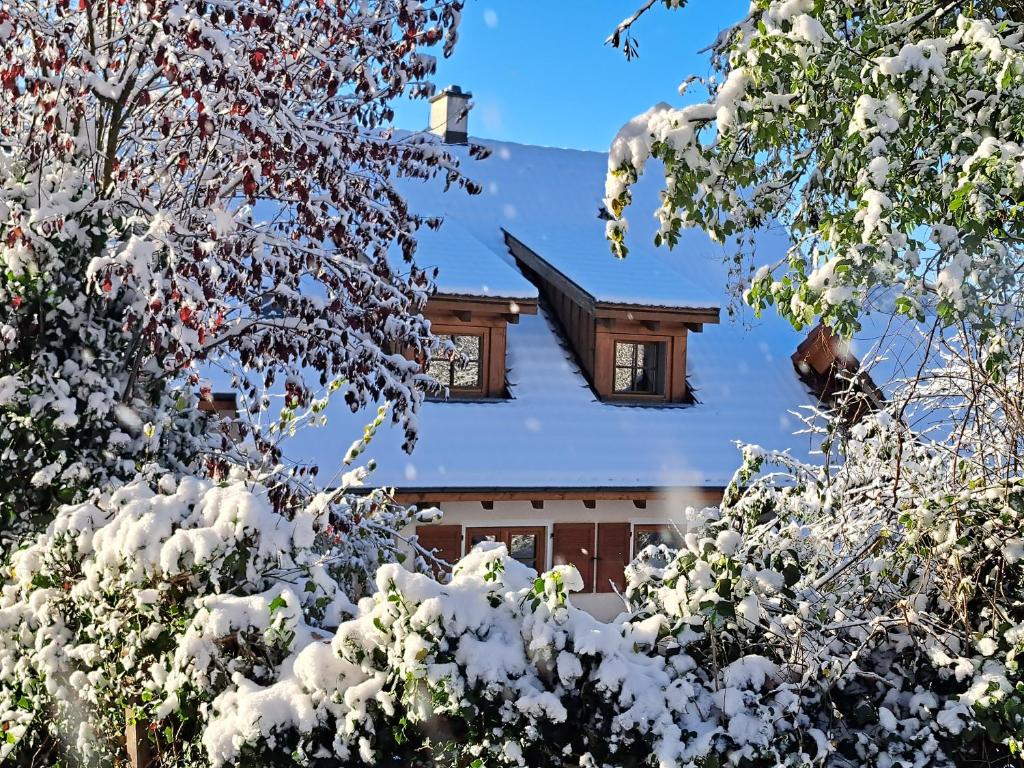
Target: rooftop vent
pixel 449 115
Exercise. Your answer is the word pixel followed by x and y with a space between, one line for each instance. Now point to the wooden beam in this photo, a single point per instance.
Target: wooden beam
pixel 695 327
pixel 589 503
pixel 651 325
pixel 546 272
pixel 484 305
pixel 663 314
pixel 511 317
pixel 464 315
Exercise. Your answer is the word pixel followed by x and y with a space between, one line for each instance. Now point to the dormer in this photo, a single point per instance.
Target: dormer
pixel 478 329
pixel 631 353
pixel 478 295
pixel 833 374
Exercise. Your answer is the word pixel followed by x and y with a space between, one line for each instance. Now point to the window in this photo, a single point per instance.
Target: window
pixel 463 371
pixel 638 367
pixel 664 538
pixel 524 544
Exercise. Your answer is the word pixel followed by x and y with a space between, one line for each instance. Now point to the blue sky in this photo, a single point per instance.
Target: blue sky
pixel 540 72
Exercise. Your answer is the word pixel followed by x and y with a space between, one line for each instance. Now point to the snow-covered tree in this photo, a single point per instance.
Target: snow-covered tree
pixel 885 136
pixel 190 183
pixel 145 603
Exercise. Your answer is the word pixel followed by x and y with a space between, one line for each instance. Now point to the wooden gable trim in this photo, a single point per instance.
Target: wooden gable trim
pixel 609 312
pixel 587 495
pixel 486 305
pixel 537 264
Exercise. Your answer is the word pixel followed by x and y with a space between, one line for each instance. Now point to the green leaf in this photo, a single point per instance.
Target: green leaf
pixel 276 604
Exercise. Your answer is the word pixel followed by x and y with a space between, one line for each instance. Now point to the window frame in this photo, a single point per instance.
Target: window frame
pixel 483 386
pixel 663 529
pixel 663 371
pixel 504 534
pixel 660 353
pixel 452 369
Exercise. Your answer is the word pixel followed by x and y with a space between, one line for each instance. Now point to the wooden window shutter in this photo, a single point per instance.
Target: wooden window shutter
pixel 445 539
pixel 573 544
pixel 612 555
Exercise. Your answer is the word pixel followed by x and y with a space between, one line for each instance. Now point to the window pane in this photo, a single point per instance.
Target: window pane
pixel 642 382
pixel 640 350
pixel 664 540
pixel 479 537
pixel 623 379
pixel 468 375
pixel 624 354
pixel 524 548
pixel 468 346
pixel 440 369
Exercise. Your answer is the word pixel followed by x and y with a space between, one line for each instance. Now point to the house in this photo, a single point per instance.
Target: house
pixel 599 397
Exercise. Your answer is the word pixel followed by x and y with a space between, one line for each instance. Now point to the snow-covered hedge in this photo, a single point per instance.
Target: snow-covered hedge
pixel 852 617
pixel 148 600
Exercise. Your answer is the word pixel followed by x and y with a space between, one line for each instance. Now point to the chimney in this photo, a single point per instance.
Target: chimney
pixel 449 115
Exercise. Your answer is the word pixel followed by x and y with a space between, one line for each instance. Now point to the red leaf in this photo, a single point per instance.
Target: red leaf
pixel 185 313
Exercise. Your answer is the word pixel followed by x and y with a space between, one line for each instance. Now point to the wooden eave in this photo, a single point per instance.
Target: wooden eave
pixel 606 310
pixel 487 305
pixel 532 494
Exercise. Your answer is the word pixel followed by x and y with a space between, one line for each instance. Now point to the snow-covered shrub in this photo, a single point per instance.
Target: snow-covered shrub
pixel 886 612
pixel 837 619
pixel 147 602
pixel 493 668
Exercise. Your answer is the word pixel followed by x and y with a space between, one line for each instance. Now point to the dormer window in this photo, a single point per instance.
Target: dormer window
pixel 639 368
pixel 462 372
pixel 476 327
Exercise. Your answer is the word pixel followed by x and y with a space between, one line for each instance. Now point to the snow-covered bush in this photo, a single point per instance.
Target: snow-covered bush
pixel 859 616
pixel 888 609
pixel 146 602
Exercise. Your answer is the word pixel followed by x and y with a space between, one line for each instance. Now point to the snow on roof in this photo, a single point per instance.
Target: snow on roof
pixel 467 267
pixel 554 432
pixel 549 200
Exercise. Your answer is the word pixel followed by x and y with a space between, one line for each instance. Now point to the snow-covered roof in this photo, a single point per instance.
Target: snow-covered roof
pixel 467 267
pixel 549 200
pixel 553 432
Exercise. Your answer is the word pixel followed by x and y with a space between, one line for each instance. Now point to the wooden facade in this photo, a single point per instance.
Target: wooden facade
pixel 594 327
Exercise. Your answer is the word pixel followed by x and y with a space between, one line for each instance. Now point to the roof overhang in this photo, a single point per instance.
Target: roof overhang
pixel 465 305
pixel 438 495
